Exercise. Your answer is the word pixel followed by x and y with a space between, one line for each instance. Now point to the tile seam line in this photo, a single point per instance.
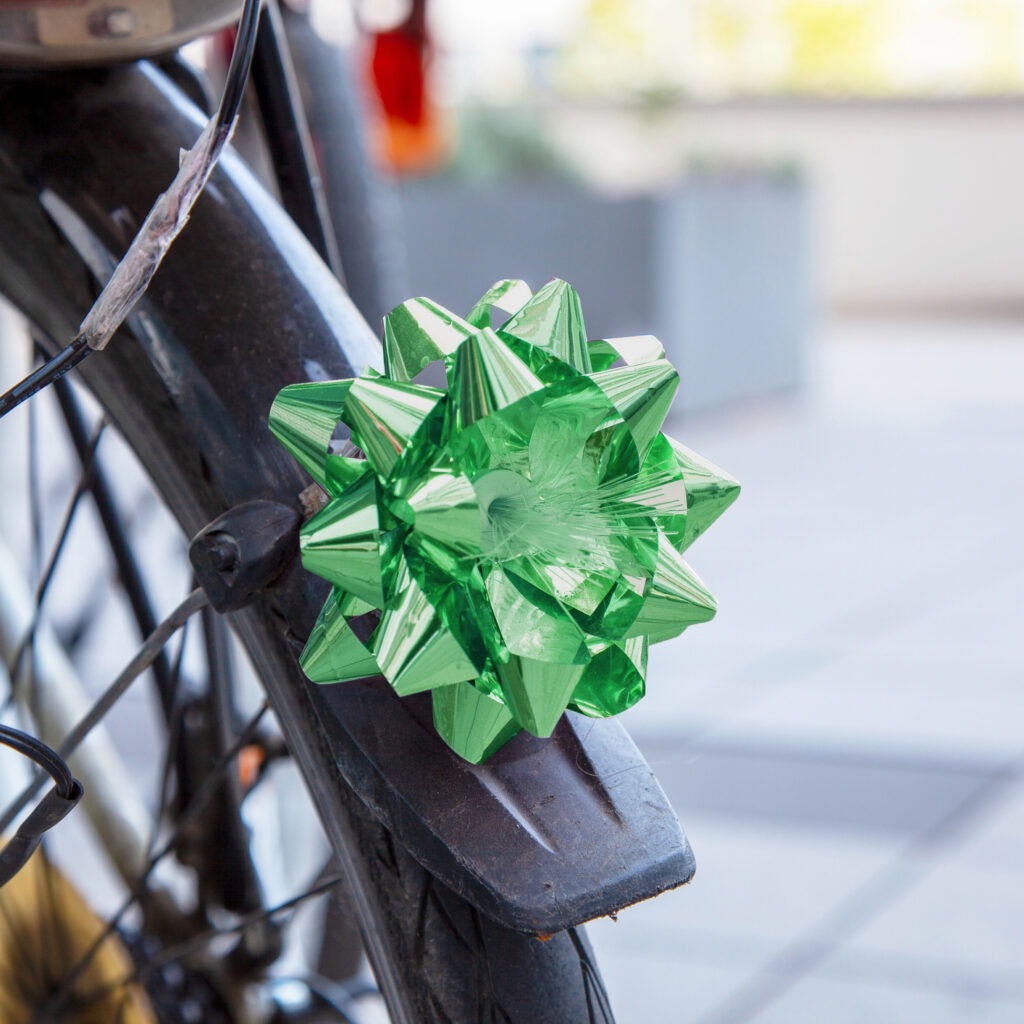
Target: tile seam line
pixel 659 748
pixel 822 940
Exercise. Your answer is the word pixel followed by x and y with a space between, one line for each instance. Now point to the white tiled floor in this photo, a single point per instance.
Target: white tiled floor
pixel 861 1000
pixel 871 584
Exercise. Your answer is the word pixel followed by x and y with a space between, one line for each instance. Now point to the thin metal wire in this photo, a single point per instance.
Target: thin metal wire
pixel 140 662
pixel 115 527
pixel 592 983
pixel 196 805
pixel 34 499
pixel 66 359
pixel 84 481
pixel 181 950
pixel 46 757
pixel 175 721
pixel 238 68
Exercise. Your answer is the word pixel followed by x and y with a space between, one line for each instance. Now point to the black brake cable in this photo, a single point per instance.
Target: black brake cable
pixel 46 757
pixel 167 217
pixel 48 812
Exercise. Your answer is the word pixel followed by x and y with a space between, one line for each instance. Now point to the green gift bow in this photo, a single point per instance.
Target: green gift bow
pixel 513 543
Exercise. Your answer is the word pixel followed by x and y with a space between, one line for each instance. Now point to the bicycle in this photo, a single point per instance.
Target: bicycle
pixel 469 883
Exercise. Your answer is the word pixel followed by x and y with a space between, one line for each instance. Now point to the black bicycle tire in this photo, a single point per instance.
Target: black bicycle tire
pixel 453 965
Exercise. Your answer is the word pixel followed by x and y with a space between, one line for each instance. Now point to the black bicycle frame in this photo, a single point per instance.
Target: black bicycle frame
pixel 547 834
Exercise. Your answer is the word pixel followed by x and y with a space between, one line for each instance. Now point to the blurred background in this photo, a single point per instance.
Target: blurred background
pixel 818 206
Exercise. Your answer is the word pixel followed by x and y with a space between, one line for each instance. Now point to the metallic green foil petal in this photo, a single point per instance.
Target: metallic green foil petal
pixel 459 596
pixel 342 472
pixel 418 333
pixel 473 722
pixel 536 691
pixel 507 296
pixel 486 377
pixel 444 507
pixel 412 646
pixel 674 599
pixel 384 415
pixel 614 679
pixel 333 653
pixel 709 492
pixel 354 607
pixel 303 418
pixel 617 612
pixel 642 348
pixel 642 394
pixel 573 587
pixel 533 624
pixel 552 323
pixel 547 652
pixel 341 542
pixel 658 490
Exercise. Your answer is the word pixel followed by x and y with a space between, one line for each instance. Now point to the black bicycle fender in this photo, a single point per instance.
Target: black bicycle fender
pixel 549 832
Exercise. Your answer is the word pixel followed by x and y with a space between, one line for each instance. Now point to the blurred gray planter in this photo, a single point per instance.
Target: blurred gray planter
pixel 718 268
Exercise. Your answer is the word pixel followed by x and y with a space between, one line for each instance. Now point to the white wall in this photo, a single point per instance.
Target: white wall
pixel 918 205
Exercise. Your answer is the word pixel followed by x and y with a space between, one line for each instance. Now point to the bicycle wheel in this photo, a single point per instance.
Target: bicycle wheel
pixel 196 421
pixel 115 917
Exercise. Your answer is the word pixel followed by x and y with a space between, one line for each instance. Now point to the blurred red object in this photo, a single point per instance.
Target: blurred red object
pixel 408 138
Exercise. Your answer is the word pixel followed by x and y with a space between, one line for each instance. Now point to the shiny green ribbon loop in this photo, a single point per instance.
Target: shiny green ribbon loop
pixel 513 542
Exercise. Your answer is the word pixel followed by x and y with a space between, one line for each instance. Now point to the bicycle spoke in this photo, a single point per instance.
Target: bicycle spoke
pixel 88 468
pixel 593 986
pixel 34 499
pixel 173 731
pixel 73 634
pixel 178 952
pixel 144 657
pixel 182 950
pixel 229 879
pixel 140 662
pixel 196 805
pixel 127 567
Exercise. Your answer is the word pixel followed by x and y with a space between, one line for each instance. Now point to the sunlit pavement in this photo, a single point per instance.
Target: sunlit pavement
pixel 845 743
